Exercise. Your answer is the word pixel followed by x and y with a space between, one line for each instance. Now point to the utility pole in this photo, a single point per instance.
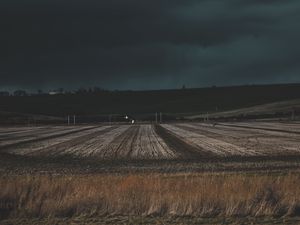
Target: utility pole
pixel 293 114
pixel 68 119
pixel 156 117
pixel 206 118
pixel 74 119
pixel 160 117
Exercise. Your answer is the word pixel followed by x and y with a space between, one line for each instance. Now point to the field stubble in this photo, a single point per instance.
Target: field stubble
pixel 146 141
pixel 150 172
pixel 201 195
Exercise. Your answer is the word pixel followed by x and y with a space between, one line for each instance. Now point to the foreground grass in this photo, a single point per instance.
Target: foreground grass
pixel 123 220
pixel 150 195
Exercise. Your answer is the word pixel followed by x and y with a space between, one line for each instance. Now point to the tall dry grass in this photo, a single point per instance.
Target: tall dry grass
pixel 204 195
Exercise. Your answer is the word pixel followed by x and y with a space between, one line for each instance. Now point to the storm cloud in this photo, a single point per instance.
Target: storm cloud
pixel 135 44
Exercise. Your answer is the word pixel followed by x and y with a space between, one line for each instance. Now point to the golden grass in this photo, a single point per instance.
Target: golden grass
pixel 203 195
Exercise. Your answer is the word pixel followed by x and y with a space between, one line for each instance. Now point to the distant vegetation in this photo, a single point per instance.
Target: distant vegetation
pixel 143 104
pixel 59 91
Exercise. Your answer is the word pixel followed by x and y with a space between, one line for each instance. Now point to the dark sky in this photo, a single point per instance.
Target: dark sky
pixel 136 44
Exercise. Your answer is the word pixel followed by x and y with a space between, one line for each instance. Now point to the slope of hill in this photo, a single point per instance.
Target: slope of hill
pixel 30 119
pixel 181 102
pixel 289 108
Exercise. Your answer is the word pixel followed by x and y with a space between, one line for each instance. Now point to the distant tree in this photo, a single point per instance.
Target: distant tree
pixel 183 87
pixel 4 93
pixel 60 90
pixel 97 89
pixel 81 91
pixel 39 92
pixel 20 93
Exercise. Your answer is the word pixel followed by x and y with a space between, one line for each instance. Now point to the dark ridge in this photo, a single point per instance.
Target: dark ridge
pixel 143 104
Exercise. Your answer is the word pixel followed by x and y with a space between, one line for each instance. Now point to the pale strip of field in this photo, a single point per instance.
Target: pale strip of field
pixel 126 142
pixel 247 129
pixel 221 130
pixel 40 147
pixel 138 142
pixel 16 130
pixel 275 127
pixel 24 133
pixel 283 142
pixel 148 145
pixel 291 126
pixel 96 146
pixel 10 135
pixel 208 144
pixel 13 130
pixel 259 141
pixel 121 145
pixel 38 134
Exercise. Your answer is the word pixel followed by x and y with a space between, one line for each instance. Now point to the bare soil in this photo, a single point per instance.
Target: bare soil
pixel 146 147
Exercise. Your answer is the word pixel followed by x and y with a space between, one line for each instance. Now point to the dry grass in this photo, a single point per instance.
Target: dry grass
pixel 203 195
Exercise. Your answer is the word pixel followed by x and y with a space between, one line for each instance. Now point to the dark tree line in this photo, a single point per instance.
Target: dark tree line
pixel 59 91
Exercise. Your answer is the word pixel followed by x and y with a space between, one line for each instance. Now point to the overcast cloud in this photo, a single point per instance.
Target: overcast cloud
pixel 134 44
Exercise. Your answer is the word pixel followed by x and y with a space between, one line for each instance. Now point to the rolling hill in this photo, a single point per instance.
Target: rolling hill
pixel 143 104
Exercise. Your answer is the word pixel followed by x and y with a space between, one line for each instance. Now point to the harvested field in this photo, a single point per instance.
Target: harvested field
pixel 254 142
pixel 206 144
pixel 155 142
pixel 181 173
pixel 36 134
pixel 57 145
pixel 180 147
pixel 139 142
pixel 105 142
